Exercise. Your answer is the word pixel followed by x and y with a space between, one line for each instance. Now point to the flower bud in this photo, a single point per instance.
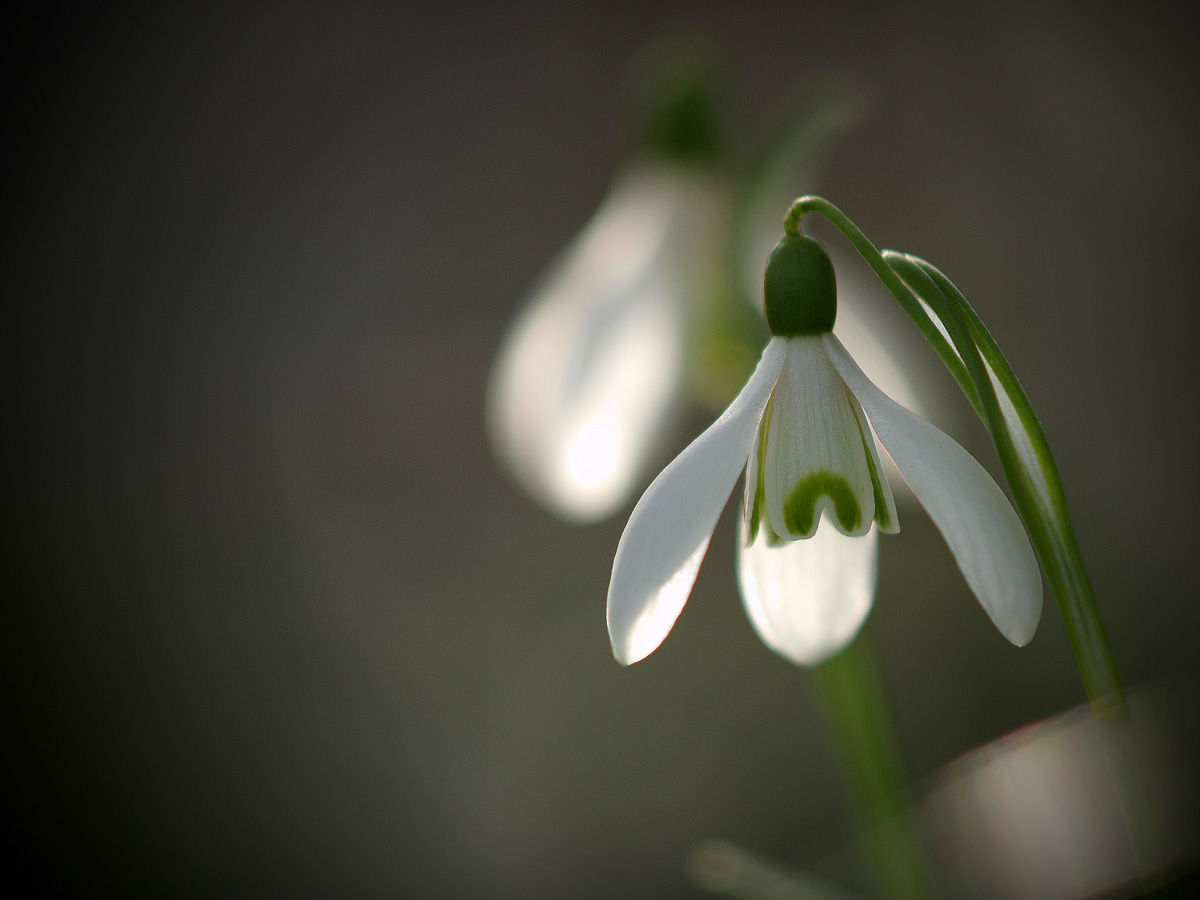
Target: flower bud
pixel 800 288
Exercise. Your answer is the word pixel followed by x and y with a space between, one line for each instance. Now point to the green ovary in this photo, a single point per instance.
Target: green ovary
pixel 799 511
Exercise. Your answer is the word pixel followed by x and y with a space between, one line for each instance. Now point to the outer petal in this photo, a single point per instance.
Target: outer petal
pixel 807 599
pixel 663 544
pixel 593 368
pixel 975 518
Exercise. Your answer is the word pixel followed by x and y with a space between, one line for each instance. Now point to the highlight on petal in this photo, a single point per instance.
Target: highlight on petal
pixel 592 372
pixel 815 458
pixel 974 516
pixel 807 599
pixel 664 542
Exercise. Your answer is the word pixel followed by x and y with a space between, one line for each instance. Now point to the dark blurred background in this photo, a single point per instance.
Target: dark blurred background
pixel 282 627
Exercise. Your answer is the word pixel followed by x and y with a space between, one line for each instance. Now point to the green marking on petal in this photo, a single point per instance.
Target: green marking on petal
pixel 883 516
pixel 773 540
pixel 759 509
pixel 799 512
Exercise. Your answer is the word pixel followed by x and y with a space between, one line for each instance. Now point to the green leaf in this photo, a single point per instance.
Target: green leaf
pixel 1029 467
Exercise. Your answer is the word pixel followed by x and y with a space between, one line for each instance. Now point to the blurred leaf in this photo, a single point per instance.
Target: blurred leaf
pixel 729 871
pixel 818 112
pixel 677 101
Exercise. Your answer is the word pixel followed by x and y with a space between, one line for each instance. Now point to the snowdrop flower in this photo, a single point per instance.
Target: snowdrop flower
pixel 816 494
pixel 594 370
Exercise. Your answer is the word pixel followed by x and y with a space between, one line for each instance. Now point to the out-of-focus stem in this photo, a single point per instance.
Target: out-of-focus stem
pixel 857 712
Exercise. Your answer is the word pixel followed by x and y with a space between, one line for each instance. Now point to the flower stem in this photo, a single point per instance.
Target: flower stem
pixel 856 708
pixel 975 361
pixel 985 376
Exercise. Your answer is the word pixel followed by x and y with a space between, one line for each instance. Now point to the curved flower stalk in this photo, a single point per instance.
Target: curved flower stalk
pixel 816 494
pixel 975 360
pixel 828 104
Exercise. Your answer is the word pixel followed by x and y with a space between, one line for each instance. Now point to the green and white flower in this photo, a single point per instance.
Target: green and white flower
pixel 816 494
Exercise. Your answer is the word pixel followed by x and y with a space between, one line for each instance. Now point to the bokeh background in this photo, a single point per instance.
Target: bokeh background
pixel 283 628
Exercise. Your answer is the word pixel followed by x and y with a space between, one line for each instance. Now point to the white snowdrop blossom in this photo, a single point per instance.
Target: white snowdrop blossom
pixel 593 371
pixel 803 429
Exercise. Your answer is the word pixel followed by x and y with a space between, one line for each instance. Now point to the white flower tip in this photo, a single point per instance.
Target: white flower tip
pixel 1022 622
pixel 808 599
pixel 636 629
pixel 626 655
pixel 664 542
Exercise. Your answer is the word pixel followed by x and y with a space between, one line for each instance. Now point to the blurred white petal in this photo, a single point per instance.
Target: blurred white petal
pixel 591 374
pixel 807 599
pixel 975 518
pixel 664 542
pixel 1074 806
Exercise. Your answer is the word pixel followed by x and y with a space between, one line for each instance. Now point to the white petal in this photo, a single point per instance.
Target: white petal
pixel 663 544
pixel 591 374
pixel 882 341
pixel 814 436
pixel 807 599
pixel 969 509
pixel 750 483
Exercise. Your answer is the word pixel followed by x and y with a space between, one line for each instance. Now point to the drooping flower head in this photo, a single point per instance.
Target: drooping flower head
pixel 803 430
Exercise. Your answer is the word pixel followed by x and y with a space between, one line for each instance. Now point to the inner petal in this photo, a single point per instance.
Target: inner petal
pixel 815 460
pixel 885 503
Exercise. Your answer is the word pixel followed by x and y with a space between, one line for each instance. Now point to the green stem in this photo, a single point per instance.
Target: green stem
pixel 891 281
pixel 856 709
pixel 983 373
pixel 1037 487
pixel 1020 440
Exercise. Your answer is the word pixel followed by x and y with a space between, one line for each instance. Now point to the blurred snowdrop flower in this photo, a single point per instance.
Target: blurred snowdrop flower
pixel 640 314
pixel 816 494
pixel 593 371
